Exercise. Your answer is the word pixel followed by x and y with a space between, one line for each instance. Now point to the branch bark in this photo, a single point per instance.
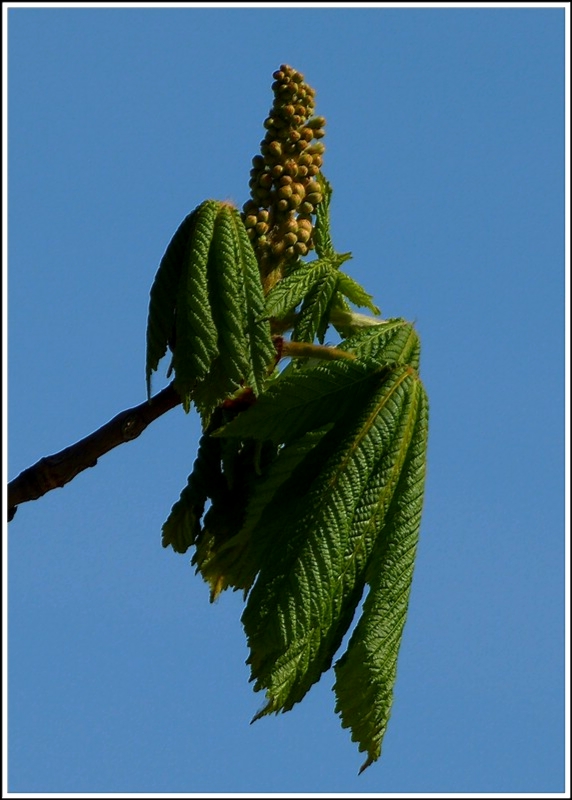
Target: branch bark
pixel 55 471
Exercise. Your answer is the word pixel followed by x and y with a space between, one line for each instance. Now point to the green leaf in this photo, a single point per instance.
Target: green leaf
pixel 183 526
pixel 163 295
pixel 304 599
pixel 238 561
pixel 314 396
pixel 262 352
pixel 244 345
pixel 314 314
pixel 304 400
pixel 395 341
pixel 322 235
pixel 196 333
pixel 366 673
pixel 229 303
pixel 291 290
pixel 356 293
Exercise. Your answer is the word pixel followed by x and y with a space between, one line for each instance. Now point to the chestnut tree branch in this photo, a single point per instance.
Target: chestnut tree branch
pixel 55 471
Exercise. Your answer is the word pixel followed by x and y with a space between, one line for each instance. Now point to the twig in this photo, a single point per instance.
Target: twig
pixel 55 471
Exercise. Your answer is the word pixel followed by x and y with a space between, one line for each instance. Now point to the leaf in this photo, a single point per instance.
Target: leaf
pixel 304 599
pixel 183 526
pixel 291 290
pixel 228 303
pixel 163 295
pixel 356 293
pixel 257 328
pixel 314 314
pixel 196 333
pixel 393 342
pixel 302 401
pixel 322 236
pixel 365 674
pixel 237 562
pixel 244 346
pixel 309 398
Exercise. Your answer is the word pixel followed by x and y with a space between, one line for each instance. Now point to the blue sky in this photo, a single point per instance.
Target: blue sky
pixel 445 149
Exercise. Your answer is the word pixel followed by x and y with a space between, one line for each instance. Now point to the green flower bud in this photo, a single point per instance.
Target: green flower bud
pixel 285 192
pixel 275 148
pixel 316 149
pixel 250 221
pixel 283 204
pixel 316 122
pixel 291 168
pixel 314 198
pixel 306 207
pixel 290 239
pixel 301 249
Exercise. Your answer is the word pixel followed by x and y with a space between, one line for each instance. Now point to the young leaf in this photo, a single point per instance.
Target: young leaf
pixel 257 328
pixel 365 674
pixel 395 341
pixel 304 400
pixel 322 235
pixel 183 526
pixel 163 295
pixel 228 303
pixel 356 293
pixel 314 314
pixel 291 290
pixel 196 333
pixel 314 396
pixel 303 600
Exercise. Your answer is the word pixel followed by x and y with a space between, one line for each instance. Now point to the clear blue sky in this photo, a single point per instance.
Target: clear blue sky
pixel 445 143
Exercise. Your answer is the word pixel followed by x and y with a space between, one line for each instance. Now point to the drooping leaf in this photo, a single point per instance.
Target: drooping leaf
pixel 196 333
pixel 365 674
pixel 303 401
pixel 306 399
pixel 257 328
pixel 163 295
pixel 183 526
pixel 304 599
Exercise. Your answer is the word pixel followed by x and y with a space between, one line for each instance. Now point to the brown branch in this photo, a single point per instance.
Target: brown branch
pixel 55 471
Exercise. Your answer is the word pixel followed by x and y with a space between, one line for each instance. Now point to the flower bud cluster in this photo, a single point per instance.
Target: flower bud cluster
pixel 283 179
